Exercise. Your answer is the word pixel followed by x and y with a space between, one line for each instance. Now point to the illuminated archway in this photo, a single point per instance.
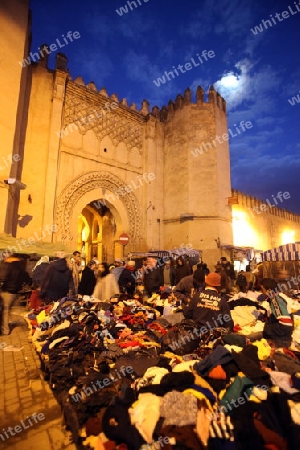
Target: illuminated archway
pixel 97 188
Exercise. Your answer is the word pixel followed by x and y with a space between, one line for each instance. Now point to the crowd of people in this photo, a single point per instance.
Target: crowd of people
pixel 200 293
pixel 90 320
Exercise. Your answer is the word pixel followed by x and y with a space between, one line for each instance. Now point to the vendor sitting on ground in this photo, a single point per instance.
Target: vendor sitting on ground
pixel 208 308
pixel 279 325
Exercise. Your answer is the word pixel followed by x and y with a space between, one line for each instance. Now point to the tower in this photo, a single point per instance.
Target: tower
pixel 196 174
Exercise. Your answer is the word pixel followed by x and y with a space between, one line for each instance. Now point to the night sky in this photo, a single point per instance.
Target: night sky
pixel 257 72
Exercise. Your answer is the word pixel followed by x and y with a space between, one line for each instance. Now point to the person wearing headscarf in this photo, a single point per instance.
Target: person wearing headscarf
pixel 106 286
pixel 38 272
pixel 88 279
pixel 38 276
pixel 58 281
pixel 181 270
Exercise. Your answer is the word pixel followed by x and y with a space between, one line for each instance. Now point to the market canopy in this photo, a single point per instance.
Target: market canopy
pixel 287 252
pixel 30 246
pixel 239 253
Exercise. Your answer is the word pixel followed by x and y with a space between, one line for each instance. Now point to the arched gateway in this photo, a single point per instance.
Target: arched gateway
pixel 93 210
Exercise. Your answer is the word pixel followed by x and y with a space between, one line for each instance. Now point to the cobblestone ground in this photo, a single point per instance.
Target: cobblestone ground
pixel 24 392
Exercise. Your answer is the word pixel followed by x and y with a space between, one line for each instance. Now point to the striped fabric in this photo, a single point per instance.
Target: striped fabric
pixel 288 252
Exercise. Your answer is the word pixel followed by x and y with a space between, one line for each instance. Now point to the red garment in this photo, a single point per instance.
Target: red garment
pixel 35 300
pixel 157 327
pixel 270 437
pixel 217 373
pixel 109 445
pixel 271 447
pixel 130 344
pixel 290 353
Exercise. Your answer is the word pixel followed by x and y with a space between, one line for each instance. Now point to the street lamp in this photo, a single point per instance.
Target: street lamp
pixel 15 182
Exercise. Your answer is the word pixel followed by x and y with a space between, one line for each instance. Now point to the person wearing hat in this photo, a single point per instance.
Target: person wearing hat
pixel 126 280
pixel 208 308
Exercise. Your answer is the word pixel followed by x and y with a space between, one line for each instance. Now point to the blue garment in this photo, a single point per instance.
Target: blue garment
pixel 117 272
pixel 219 356
pixel 280 311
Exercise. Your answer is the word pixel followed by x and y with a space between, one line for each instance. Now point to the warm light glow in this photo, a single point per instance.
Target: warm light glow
pixel 86 229
pixel 244 234
pixel 288 237
pixel 239 215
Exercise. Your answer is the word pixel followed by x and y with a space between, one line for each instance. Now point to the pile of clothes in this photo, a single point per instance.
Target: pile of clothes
pixel 126 378
pixel 249 312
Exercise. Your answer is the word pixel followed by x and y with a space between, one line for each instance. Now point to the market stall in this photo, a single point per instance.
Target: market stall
pixel 283 264
pixel 126 378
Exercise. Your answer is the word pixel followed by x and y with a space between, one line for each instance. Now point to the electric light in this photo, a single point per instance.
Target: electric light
pixel 287 237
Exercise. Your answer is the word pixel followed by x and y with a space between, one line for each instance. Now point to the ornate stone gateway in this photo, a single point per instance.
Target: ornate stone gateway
pixel 96 192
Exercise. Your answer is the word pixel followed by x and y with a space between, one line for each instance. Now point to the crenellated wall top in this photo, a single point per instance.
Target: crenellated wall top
pixel 253 203
pixel 162 114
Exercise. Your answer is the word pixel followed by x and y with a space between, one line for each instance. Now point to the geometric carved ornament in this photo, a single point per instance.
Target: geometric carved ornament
pixel 88 182
pixel 119 125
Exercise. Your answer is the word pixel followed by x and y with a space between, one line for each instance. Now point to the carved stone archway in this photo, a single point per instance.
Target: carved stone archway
pixel 93 181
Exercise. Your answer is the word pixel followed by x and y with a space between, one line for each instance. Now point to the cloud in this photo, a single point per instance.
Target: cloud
pixel 248 83
pixel 100 66
pixel 108 28
pixel 230 17
pixel 140 69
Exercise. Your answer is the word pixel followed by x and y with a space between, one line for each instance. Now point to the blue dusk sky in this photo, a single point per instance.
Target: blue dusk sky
pixel 255 67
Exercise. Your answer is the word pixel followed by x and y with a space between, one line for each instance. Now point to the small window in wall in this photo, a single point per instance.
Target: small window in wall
pixel 105 150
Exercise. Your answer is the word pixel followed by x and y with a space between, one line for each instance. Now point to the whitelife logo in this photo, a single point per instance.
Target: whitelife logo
pixel 124 9
pixel 9 159
pixel 268 23
pixel 281 196
pixel 23 425
pixel 241 128
pixel 20 244
pixel 87 119
pixel 188 66
pixel 34 57
pixel 111 196
pixel 292 101
pixel 89 390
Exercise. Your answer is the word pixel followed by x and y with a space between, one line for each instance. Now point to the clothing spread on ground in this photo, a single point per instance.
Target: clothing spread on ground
pixel 128 378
